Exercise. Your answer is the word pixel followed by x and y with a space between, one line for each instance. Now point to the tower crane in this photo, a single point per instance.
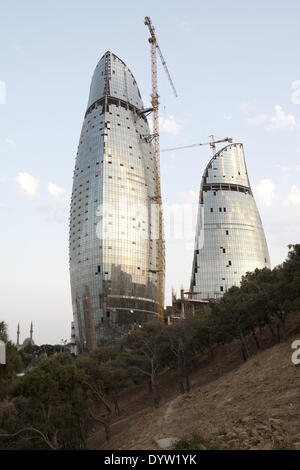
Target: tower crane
pixel 212 144
pixel 158 200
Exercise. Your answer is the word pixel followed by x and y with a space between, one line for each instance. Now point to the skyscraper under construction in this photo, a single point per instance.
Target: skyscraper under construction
pixel 230 240
pixel 111 244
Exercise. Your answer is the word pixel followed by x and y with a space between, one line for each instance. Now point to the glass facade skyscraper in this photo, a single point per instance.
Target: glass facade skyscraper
pixel 112 249
pixel 230 240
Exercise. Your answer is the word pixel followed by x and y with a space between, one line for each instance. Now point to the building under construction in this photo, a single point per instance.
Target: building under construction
pixel 116 246
pixel 112 244
pixel 230 239
pixel 183 307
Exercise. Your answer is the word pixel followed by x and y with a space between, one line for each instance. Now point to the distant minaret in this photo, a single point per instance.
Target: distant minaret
pixel 18 335
pixel 173 295
pixel 31 333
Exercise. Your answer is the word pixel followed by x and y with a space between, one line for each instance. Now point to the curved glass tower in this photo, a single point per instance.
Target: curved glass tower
pixel 230 240
pixel 112 250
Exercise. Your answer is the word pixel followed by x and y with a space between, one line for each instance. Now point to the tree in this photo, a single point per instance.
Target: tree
pixel 13 362
pixel 32 354
pixel 103 354
pixel 95 382
pixel 144 353
pixel 255 304
pixel 206 330
pixel 180 338
pixel 270 287
pixel 3 331
pixel 291 275
pixel 117 380
pixel 232 320
pixel 51 404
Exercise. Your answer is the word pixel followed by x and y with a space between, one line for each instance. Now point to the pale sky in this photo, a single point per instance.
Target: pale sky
pixel 235 66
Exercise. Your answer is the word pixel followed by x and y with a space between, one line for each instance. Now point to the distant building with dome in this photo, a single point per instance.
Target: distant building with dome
pixel 26 341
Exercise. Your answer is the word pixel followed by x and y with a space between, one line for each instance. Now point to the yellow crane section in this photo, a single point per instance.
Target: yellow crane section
pixel 160 264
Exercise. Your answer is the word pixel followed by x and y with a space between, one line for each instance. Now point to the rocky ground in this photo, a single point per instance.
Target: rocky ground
pixel 235 405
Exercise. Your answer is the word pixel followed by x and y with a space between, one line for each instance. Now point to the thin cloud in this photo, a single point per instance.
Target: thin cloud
pixel 18 48
pixel 227 116
pixel 185 26
pixel 10 142
pixel 57 211
pixel 55 190
pixel 28 183
pixel 190 196
pixel 284 169
pixel 265 192
pixel 258 119
pixel 170 125
pixel 278 121
pixel 248 106
pixel 294 196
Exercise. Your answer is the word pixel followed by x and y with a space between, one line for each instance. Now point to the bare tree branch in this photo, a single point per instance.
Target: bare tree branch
pixel 32 430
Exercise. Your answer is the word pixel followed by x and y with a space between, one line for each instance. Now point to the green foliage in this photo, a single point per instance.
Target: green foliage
pixel 32 354
pixel 265 297
pixel 3 332
pixel 145 347
pixel 97 376
pixel 53 405
pixel 145 352
pixel 13 364
pixel 285 446
pixel 53 402
pixel 205 330
pixel 104 354
pixel 180 343
pixel 195 442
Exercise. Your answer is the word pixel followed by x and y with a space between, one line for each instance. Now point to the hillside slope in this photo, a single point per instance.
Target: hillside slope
pixel 254 406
